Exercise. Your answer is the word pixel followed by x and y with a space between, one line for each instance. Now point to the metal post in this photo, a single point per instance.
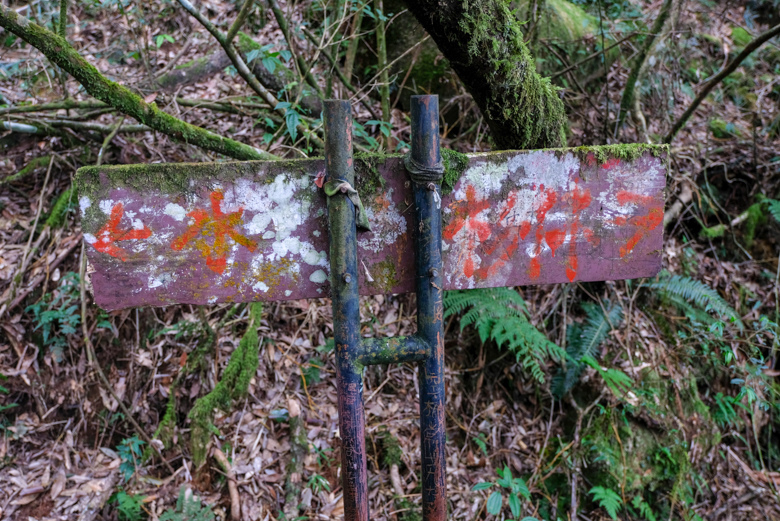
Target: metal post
pixel 346 317
pixel 425 347
pixel 425 169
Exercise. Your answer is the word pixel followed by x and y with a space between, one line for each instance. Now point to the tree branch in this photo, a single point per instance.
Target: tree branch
pixel 62 54
pixel 728 69
pixel 239 21
pixel 302 65
pixel 633 77
pixel 242 68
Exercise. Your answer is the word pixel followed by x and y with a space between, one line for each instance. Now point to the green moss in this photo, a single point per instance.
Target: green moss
pixel 246 43
pixel 624 152
pixel 367 177
pixel 60 209
pixel 723 130
pixel 233 386
pixel 385 276
pixel 755 218
pixel 740 36
pixel 455 165
pixel 391 450
pixel 522 108
pixel 34 164
pixel 165 429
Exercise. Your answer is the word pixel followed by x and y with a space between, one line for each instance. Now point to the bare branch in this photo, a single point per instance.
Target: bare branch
pixel 728 69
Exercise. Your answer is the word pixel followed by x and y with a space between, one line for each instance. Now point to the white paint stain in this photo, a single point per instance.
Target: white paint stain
pixel 387 224
pixel 318 277
pixel 106 206
pixel 175 211
pixel 84 203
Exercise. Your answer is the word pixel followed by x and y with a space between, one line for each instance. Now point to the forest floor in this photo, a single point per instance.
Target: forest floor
pixel 68 450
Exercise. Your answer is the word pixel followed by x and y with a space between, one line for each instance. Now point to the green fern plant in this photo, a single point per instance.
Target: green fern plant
pixel 500 314
pixel 774 208
pixel 681 291
pixel 188 508
pixel 128 506
pixel 644 508
pixel 607 499
pixel 618 381
pixel 584 341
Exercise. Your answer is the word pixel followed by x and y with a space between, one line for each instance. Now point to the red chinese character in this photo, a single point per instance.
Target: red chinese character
pixel 217 225
pixel 466 215
pixel 110 233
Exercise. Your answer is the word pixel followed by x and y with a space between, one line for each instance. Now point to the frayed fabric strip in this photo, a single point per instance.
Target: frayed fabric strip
pixel 339 186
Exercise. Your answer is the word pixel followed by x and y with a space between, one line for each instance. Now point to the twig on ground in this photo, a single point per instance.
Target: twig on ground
pixel 107 141
pixel 230 476
pixel 725 71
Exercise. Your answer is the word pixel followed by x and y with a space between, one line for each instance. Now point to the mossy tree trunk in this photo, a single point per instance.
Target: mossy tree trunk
pixel 60 52
pixel 484 44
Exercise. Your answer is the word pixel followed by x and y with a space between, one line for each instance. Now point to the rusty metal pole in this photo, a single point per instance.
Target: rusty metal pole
pixel 425 168
pixel 346 316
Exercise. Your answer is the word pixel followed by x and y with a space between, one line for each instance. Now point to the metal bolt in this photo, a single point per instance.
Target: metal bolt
pixel 431 187
pixel 347 278
pixel 433 272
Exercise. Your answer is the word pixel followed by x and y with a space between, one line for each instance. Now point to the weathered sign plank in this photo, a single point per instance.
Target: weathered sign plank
pixel 257 231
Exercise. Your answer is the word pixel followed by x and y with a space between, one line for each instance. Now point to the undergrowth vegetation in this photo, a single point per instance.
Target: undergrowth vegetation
pixel 650 399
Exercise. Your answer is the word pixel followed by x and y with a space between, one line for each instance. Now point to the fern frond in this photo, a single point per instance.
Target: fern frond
pixel 697 292
pixel 584 342
pixel 608 499
pixel 500 315
pixel 774 208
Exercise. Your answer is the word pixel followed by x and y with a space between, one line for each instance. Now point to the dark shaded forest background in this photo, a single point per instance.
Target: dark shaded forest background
pixel 664 405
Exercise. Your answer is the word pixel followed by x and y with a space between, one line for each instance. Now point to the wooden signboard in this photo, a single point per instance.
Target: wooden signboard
pixel 257 231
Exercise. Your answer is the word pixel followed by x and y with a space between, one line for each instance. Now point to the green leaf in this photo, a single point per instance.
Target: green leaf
pixel 252 55
pixel 519 487
pixel 494 503
pixel 162 38
pixel 607 499
pixel 292 118
pixel 270 64
pixel 482 486
pixel 514 504
pixel 506 477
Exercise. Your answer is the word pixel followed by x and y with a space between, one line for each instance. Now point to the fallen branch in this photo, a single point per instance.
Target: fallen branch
pixel 230 476
pixel 66 104
pixel 32 166
pixel 686 194
pixel 728 69
pixel 26 128
pixel 298 448
pixel 61 53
